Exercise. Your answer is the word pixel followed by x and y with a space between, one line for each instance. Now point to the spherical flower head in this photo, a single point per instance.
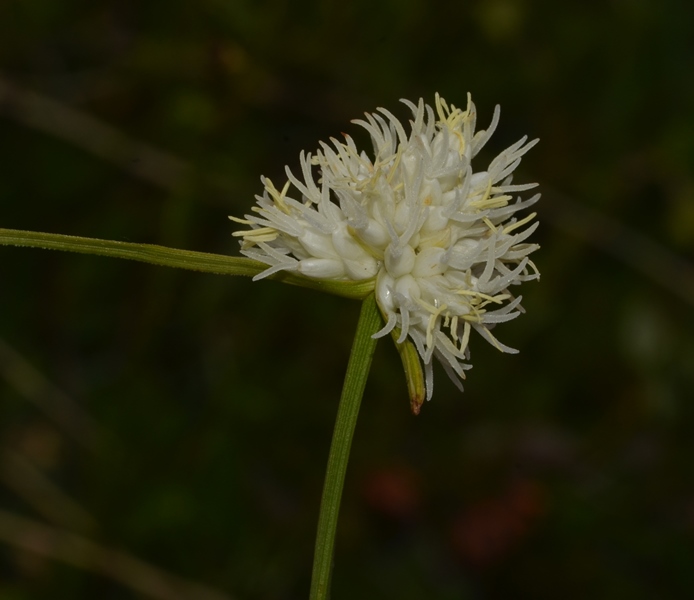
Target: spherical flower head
pixel 440 241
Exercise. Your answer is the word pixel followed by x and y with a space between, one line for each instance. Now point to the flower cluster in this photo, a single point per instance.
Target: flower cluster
pixel 440 241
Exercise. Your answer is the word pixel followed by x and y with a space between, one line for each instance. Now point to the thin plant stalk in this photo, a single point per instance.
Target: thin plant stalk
pixel 355 381
pixel 174 257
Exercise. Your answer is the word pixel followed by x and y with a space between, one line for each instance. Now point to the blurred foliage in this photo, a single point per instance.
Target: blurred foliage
pixel 563 472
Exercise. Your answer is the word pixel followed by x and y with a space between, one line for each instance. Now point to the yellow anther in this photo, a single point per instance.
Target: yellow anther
pixel 242 221
pixel 432 323
pixel 466 336
pixel 493 340
pixel 475 316
pixel 491 202
pixel 393 168
pixel 441 107
pixel 496 299
pixel 277 196
pixel 461 139
pixel 518 224
pixel 262 234
pixel 489 224
pixel 424 304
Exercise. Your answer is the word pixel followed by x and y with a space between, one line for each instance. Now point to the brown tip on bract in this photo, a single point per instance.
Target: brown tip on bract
pixel 416 404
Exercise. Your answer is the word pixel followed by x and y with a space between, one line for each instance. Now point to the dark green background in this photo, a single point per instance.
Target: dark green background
pixel 562 472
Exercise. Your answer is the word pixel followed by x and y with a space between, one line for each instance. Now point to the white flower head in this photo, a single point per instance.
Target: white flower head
pixel 440 241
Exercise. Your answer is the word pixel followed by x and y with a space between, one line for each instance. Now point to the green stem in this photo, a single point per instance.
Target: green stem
pixel 182 259
pixel 347 412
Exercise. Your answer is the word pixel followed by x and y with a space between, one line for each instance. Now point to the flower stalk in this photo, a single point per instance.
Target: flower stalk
pixel 347 412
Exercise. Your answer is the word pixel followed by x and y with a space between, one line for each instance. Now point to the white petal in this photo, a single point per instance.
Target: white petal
pixel 322 268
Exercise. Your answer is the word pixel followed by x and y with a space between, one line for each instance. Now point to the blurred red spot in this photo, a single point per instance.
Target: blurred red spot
pixel 394 492
pixel 485 532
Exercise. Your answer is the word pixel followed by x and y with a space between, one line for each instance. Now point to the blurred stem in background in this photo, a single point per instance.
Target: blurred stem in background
pixel 78 551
